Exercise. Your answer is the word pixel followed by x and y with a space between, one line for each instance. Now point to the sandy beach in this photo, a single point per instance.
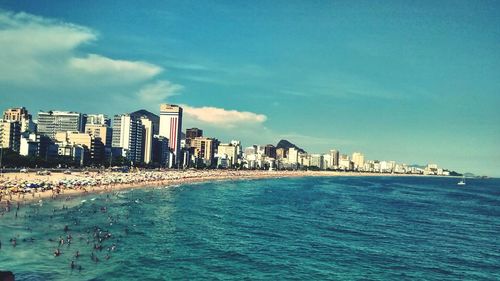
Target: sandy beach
pixel 19 187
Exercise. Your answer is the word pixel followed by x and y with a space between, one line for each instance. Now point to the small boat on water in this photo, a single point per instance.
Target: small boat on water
pixel 462 181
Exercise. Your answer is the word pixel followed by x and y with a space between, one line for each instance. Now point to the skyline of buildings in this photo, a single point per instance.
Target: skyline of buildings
pixel 144 138
pixel 393 96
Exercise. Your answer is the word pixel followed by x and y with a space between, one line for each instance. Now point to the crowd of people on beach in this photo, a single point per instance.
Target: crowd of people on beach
pixel 10 187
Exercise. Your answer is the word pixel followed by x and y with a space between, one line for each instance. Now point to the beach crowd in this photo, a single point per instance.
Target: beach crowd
pixel 20 186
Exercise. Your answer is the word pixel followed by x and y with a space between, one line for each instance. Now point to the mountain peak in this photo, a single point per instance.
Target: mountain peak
pixel 286 145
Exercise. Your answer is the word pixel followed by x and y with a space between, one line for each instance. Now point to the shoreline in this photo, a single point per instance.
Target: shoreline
pixel 138 180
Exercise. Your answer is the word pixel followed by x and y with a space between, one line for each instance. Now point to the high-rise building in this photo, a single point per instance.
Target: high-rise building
pixel 121 130
pixel 293 156
pixel 20 114
pixel 51 122
pixel 335 158
pixel 148 139
pixel 102 131
pixel 98 126
pixel 237 144
pixel 77 145
pixel 316 160
pixel 98 119
pixel 98 151
pixel 136 143
pixel 10 135
pixel 251 150
pixel 270 151
pixel 261 150
pixel 304 159
pixel 345 163
pixel 47 149
pixel 128 134
pixel 74 138
pixel 15 114
pixel 204 148
pixel 171 127
pixel 229 152
pixel 327 161
pixel 161 151
pixel 191 134
pixel 250 157
pixel 194 133
pixel 78 153
pixel 358 160
pixel 29 145
pixel 281 153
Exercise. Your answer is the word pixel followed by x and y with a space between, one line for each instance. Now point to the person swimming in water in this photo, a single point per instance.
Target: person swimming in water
pixel 57 252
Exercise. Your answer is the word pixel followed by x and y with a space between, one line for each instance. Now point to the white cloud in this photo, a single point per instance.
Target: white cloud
pixel 157 92
pixel 209 80
pixel 36 51
pixel 220 117
pixel 25 33
pixel 187 66
pixel 32 48
pixel 122 69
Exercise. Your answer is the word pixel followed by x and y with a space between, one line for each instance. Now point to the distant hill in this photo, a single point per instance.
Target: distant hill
pixel 143 112
pixel 286 145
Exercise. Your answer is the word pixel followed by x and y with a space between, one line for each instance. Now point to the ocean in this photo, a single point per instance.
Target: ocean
pixel 320 228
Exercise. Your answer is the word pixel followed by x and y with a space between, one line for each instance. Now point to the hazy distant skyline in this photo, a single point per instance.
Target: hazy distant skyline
pixel 415 82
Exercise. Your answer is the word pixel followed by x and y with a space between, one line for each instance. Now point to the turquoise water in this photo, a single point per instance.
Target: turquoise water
pixel 339 228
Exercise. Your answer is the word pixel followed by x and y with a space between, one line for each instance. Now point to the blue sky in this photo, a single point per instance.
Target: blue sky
pixel 411 81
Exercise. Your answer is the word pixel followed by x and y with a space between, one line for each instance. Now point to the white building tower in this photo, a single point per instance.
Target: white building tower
pixel 171 127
